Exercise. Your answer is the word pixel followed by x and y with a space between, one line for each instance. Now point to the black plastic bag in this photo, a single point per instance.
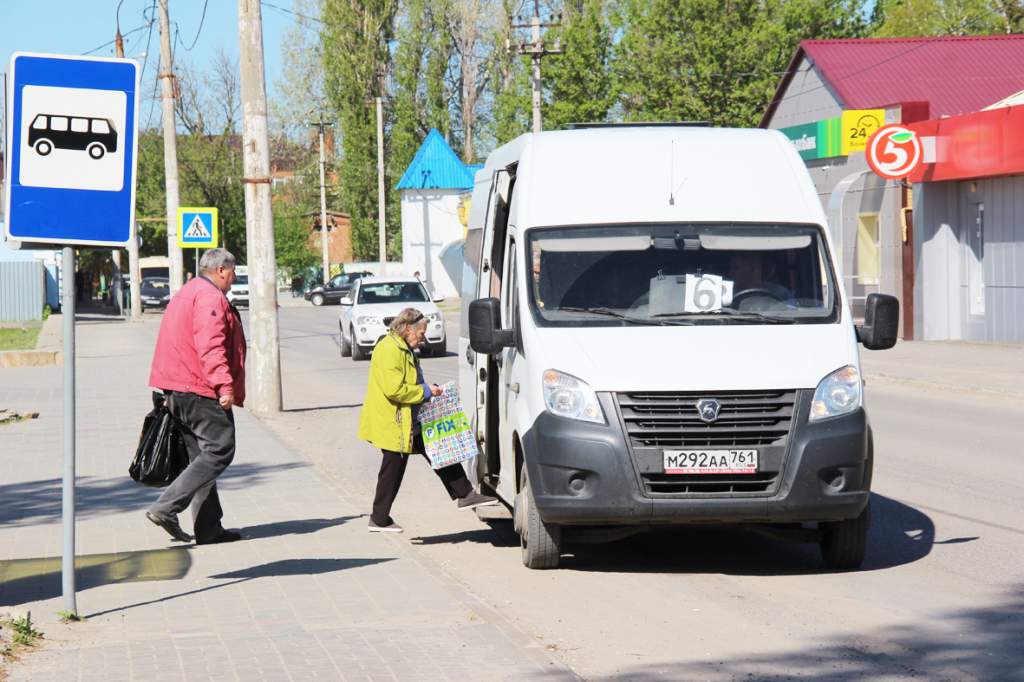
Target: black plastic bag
pixel 161 454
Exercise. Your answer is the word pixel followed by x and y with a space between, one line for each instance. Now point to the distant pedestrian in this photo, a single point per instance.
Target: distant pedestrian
pixel 389 419
pixel 199 363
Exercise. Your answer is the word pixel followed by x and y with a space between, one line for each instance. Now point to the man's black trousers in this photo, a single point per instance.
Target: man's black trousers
pixel 209 433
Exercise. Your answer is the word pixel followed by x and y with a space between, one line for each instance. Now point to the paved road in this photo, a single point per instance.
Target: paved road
pixel 941 595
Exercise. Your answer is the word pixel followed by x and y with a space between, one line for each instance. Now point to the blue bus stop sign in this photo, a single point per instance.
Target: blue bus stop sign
pixel 72 131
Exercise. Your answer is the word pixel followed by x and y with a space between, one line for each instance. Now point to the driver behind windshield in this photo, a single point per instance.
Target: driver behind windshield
pixel 755 274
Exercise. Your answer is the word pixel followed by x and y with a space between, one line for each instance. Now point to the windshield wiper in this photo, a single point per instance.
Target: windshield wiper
pixel 628 318
pixel 730 313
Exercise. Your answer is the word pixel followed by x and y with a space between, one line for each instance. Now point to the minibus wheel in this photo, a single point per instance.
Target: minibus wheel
pixel 43 147
pixel 540 542
pixel 96 150
pixel 844 543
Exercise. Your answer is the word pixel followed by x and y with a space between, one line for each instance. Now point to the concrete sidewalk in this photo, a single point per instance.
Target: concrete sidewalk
pixel 310 594
pixel 992 369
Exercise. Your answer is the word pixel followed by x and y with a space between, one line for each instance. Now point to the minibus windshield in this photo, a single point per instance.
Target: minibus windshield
pixel 687 273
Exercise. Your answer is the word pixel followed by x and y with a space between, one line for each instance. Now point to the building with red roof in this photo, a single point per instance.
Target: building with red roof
pixel 834 94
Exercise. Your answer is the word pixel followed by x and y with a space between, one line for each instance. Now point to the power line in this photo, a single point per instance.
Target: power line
pixel 199 30
pixel 293 13
pixel 149 38
pixel 111 42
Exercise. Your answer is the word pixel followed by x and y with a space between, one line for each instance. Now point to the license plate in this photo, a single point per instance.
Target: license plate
pixel 710 461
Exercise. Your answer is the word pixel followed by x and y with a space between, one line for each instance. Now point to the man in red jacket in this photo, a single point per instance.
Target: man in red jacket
pixel 199 363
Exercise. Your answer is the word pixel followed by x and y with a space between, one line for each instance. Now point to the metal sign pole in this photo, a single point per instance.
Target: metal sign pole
pixel 68 498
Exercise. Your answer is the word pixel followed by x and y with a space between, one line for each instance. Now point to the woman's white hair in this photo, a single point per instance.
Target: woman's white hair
pixel 410 317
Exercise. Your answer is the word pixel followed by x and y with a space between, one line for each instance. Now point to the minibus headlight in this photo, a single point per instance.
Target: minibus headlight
pixel 841 392
pixel 567 396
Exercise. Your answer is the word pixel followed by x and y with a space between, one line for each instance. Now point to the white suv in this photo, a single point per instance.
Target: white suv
pixel 374 303
pixel 239 292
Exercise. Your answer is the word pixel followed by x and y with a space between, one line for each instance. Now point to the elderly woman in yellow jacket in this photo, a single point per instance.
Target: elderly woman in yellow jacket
pixel 389 419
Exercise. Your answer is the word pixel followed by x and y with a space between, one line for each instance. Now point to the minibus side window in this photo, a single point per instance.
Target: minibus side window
pixel 80 125
pixel 59 123
pixel 40 123
pixel 100 127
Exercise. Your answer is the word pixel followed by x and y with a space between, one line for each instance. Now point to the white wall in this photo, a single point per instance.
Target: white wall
pixel 430 220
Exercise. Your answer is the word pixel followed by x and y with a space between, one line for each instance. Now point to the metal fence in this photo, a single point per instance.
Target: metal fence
pixel 22 291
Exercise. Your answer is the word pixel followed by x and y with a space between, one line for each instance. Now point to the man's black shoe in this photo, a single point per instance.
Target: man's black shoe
pixel 170 524
pixel 225 536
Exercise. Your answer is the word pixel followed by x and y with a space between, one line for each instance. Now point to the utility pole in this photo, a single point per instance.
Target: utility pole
pixel 535 48
pixel 134 273
pixel 323 199
pixel 381 240
pixel 259 221
pixel 167 87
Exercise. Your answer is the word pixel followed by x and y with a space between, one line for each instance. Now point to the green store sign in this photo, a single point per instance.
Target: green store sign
pixel 819 140
pixel 839 136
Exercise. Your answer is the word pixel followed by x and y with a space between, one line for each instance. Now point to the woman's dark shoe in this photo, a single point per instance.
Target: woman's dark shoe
pixel 169 524
pixel 474 500
pixel 225 536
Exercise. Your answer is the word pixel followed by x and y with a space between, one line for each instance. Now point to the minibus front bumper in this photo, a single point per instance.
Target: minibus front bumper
pixel 592 475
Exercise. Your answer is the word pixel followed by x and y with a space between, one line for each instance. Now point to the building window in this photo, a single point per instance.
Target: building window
pixel 869 249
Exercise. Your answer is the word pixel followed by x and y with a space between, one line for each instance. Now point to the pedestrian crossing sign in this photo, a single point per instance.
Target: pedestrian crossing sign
pixel 197 227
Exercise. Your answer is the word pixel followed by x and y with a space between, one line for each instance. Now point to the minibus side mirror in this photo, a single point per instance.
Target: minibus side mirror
pixel 485 333
pixel 881 322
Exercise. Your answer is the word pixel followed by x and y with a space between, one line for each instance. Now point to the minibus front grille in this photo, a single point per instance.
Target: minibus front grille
pixel 671 419
pixel 709 483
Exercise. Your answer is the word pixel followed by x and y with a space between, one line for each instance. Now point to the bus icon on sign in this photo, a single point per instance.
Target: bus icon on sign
pixel 95 136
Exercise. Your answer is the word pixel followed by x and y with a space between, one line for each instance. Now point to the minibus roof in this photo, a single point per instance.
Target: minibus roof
pixel 656 174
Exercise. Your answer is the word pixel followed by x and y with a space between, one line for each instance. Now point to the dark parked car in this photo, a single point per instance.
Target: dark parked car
pixel 156 292
pixel 338 286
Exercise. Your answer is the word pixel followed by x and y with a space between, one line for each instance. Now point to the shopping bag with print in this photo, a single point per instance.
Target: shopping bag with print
pixel 447 433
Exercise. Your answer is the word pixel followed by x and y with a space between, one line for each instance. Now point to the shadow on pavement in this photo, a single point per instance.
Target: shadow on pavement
pixel 283 567
pixel 900 534
pixel 273 569
pixel 28 580
pixel 500 534
pixel 971 644
pixel 298 527
pixel 35 502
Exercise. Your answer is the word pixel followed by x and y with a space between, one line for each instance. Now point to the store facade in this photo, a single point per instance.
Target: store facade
pixel 831 99
pixel 968 220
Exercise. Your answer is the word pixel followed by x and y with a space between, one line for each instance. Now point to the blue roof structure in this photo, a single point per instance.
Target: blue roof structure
pixel 436 166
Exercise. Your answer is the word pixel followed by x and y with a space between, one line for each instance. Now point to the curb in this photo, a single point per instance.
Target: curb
pixel 922 384
pixel 31 358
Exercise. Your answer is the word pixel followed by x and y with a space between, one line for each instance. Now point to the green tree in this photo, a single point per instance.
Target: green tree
pixel 509 95
pixel 906 18
pixel 438 90
pixel 578 82
pixel 713 60
pixel 356 37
